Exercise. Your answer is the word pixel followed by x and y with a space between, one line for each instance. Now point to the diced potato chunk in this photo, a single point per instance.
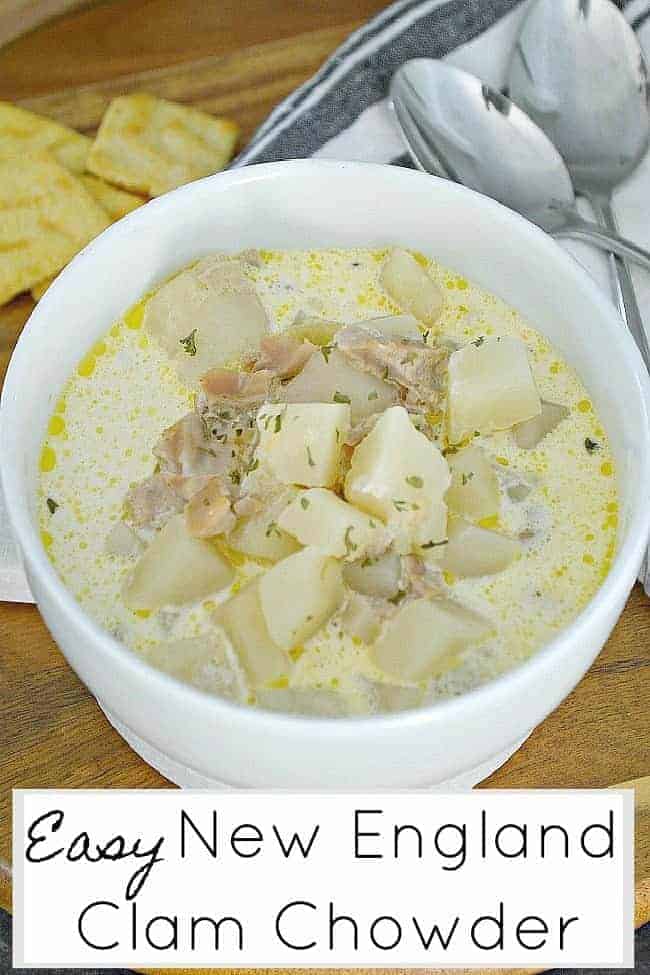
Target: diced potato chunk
pixel 299 594
pixel 375 577
pixel 328 375
pixel 425 637
pixel 393 326
pixel 301 443
pixel 204 661
pixel 475 551
pixel 410 286
pixel 260 535
pixel 206 316
pixel 360 619
pixel 401 477
pixel 491 387
pixel 176 569
pixel 303 700
pixel 529 433
pixel 319 518
pixel 242 620
pixel 474 490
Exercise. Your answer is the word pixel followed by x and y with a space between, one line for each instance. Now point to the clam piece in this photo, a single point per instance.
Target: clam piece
pixel 208 512
pixel 529 433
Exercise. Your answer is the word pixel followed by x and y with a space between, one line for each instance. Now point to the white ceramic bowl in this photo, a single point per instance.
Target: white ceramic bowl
pixel 309 204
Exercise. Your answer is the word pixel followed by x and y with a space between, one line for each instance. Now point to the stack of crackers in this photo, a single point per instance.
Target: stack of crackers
pixel 59 189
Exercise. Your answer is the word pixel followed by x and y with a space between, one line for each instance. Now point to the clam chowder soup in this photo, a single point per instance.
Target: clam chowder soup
pixel 327 482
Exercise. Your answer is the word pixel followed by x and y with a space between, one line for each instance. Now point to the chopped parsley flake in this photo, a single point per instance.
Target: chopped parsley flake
pixel 189 343
pixel 373 395
pixel 433 544
pixel 415 481
pixel 479 341
pixel 406 505
pixel 340 397
pixel 277 426
pixel 326 350
pixel 304 503
pixel 273 530
pixel 52 505
pixel 591 446
pixel 398 597
pixel 467 477
pixel 310 459
pixel 349 544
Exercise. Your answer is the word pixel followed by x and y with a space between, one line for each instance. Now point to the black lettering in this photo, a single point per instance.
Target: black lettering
pixel 520 833
pixel 564 924
pixel 403 829
pixel 279 917
pixel 216 927
pixel 358 813
pixel 547 829
pixel 172 922
pixel 522 931
pixel 56 815
pixel 489 919
pixel 333 921
pixel 398 933
pixel 139 878
pixel 209 844
pixel 82 918
pixel 436 933
pixel 296 840
pixel 608 851
pixel 454 830
pixel 239 836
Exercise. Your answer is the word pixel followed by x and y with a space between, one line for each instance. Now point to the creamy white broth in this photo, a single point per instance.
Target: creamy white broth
pixel 125 393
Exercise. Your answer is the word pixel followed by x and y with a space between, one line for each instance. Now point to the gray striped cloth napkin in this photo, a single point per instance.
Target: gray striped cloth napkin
pixel 342 113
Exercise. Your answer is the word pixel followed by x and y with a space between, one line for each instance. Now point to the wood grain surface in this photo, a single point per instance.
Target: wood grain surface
pixel 241 57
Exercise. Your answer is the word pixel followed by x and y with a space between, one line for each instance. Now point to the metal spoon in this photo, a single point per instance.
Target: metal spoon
pixel 457 127
pixel 579 72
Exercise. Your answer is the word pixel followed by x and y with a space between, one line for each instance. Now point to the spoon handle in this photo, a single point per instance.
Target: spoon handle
pixel 591 233
pixel 624 285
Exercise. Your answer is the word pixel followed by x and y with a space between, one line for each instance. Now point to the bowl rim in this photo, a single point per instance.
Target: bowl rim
pixel 611 591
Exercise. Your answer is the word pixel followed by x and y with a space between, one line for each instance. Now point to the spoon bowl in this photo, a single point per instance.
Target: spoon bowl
pixel 481 138
pixel 579 73
pixel 456 126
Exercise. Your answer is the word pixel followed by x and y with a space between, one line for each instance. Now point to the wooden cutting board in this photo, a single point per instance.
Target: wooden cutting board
pixel 52 733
